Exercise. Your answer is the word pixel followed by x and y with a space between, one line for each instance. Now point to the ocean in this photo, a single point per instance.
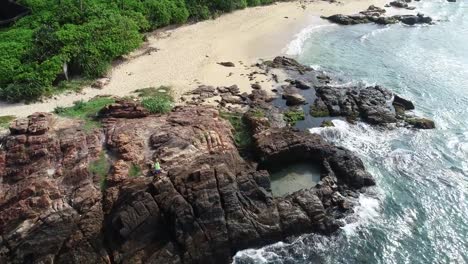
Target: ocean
pixel 418 212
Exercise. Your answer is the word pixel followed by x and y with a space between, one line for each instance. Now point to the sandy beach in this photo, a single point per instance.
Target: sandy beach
pixel 187 56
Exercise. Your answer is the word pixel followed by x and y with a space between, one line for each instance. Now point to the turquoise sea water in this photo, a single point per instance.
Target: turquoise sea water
pixel 418 213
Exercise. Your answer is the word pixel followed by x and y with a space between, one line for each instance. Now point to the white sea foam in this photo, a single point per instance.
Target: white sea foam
pixel 374 33
pixel 295 47
pixel 367 210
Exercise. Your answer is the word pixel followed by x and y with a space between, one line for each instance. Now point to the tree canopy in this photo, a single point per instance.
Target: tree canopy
pixel 86 35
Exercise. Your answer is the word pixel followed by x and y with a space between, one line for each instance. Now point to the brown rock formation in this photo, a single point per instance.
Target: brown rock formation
pixel 207 204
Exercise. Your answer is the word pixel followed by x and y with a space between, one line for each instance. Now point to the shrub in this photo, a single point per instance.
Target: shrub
pixel 86 111
pixel 157 105
pixel 100 168
pixel 164 12
pixel 254 2
pixel 6 120
pixel 86 35
pixel 156 100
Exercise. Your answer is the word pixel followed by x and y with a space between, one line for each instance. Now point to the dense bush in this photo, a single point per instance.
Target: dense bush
pixel 85 36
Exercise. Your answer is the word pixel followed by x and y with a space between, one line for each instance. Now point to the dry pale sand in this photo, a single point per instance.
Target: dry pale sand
pixel 187 56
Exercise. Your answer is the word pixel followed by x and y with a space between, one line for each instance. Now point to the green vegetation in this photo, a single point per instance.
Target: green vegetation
pixel 153 91
pixel 134 171
pixel 156 100
pixel 100 168
pixel 85 36
pixel 86 111
pixel 293 115
pixel 242 133
pixel 6 120
pixel 317 111
pixel 257 112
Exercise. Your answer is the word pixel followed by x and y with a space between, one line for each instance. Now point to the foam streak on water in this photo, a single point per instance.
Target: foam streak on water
pixel 418 212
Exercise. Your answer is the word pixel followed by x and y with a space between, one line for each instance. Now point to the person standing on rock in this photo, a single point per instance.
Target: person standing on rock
pixel 157 167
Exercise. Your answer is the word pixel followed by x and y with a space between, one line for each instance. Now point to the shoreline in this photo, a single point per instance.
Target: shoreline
pixel 187 56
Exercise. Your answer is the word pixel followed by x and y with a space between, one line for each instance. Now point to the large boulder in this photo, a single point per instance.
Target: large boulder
pixel 399 4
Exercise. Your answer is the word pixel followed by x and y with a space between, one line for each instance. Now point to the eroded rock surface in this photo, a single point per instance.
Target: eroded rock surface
pixel 208 203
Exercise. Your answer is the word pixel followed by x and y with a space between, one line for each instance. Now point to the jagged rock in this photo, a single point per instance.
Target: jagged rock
pixel 421 123
pixel 234 89
pixel 376 15
pixel 207 204
pixel 293 99
pixel 406 104
pixel 399 4
pixel 50 201
pixel 204 91
pixel 347 20
pixel 374 104
pixel 124 109
pixel 256 86
pixel 282 146
pixel 287 63
pixel 301 85
pixel 229 99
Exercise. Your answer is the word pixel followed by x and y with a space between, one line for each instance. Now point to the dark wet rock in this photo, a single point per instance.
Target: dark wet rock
pixel 293 99
pixel 233 89
pixel 256 86
pixel 406 104
pixel 370 103
pixel 301 85
pixel 319 108
pixel 204 91
pixel 374 104
pixel 399 4
pixel 288 64
pixel 282 146
pixel 227 64
pixel 260 96
pixel 452 1
pixel 421 123
pixel 376 15
pixel 229 99
pixel 414 19
pixel 348 20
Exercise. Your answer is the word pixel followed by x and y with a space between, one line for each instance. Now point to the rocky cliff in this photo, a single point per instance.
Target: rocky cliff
pixel 71 195
pixel 208 203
